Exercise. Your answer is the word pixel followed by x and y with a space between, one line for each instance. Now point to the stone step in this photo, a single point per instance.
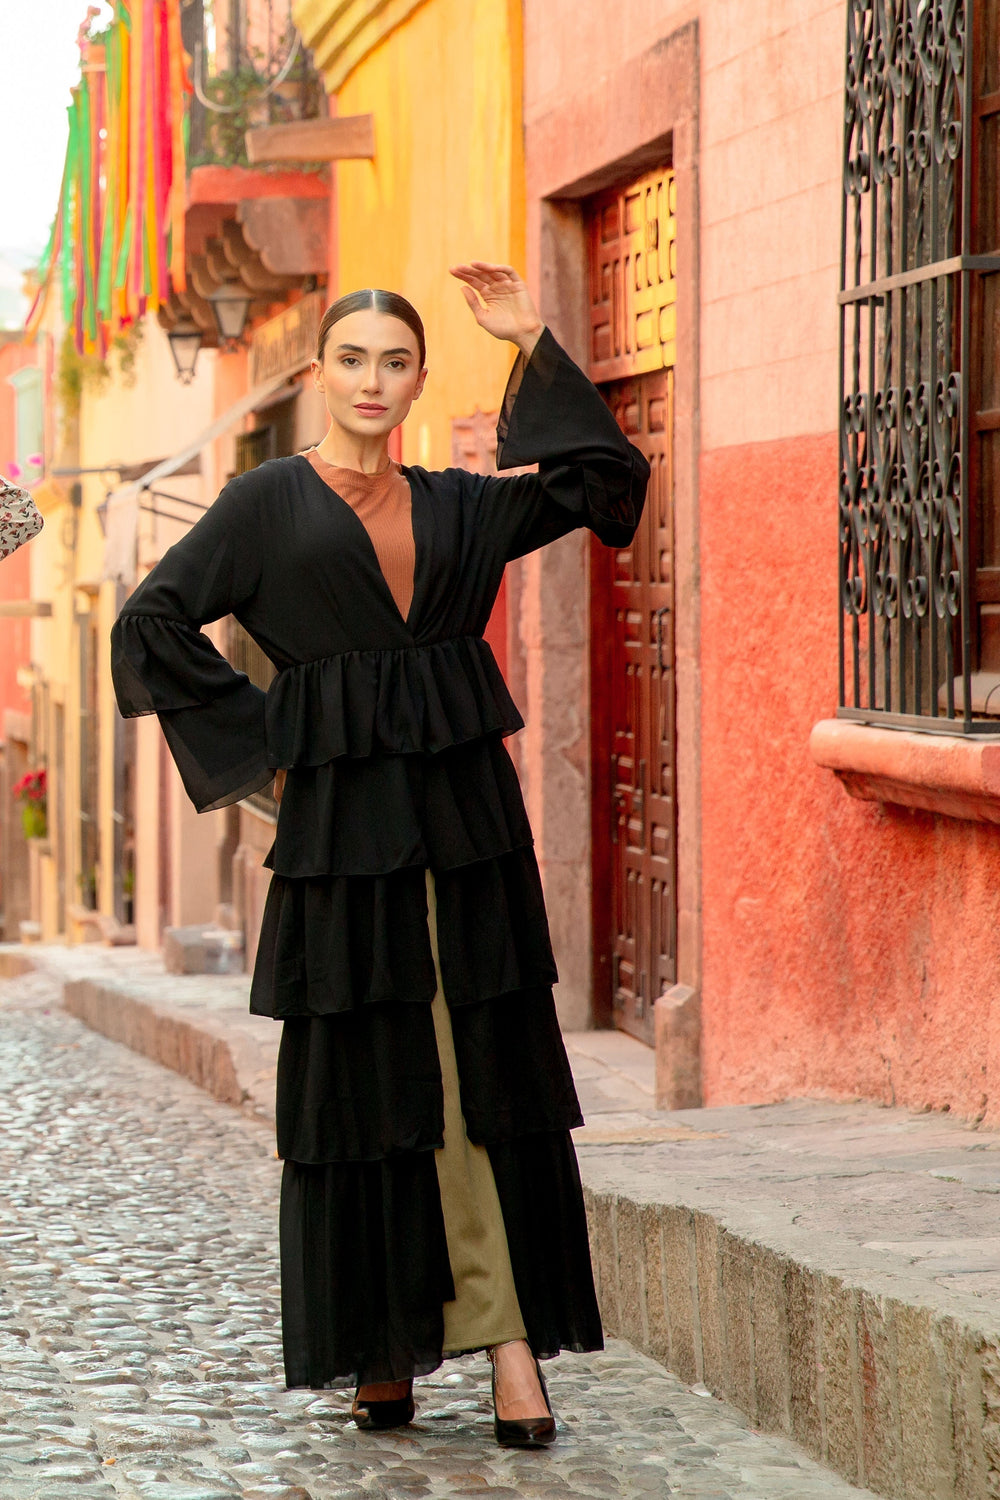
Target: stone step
pixel 844 1292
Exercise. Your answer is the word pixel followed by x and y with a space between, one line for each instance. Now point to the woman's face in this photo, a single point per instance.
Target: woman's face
pixel 370 373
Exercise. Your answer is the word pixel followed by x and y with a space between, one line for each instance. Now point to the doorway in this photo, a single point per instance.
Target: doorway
pixel 633 353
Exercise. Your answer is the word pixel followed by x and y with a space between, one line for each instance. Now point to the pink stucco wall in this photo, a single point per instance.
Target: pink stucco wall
pixel 771 76
pixel 845 947
pixel 849 948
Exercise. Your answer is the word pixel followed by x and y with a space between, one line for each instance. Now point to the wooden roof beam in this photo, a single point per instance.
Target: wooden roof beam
pixel 248 265
pixel 347 138
pixel 290 235
pixel 200 311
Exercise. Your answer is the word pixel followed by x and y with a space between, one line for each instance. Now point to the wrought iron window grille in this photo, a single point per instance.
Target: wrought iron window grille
pixel 919 294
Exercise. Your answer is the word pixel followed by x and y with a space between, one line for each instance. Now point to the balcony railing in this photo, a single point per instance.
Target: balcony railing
pixel 249 69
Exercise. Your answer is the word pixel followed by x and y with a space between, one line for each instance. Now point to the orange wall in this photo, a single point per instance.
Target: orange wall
pixel 849 948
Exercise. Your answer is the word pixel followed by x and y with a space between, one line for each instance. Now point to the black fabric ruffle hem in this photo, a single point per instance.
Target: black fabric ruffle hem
pixel 541 1196
pixel 370 817
pixel 364 1271
pixel 162 664
pixel 364 1262
pixel 367 1085
pixel 335 944
pixel 402 701
pixel 416 699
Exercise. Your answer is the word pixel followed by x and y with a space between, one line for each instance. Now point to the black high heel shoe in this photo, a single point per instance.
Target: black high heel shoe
pixel 523 1432
pixel 379 1416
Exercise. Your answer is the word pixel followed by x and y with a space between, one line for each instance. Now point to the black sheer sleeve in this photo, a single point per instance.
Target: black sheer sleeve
pixel 588 472
pixel 161 662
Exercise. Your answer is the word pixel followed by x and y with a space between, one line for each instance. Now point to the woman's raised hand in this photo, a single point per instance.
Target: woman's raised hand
pixel 500 302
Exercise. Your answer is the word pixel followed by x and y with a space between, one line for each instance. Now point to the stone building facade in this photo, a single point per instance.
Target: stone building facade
pixel 832 944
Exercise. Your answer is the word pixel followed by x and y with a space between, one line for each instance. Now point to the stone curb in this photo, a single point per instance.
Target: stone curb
pixel 14 963
pixel 232 1057
pixel 167 1038
pixel 893 1395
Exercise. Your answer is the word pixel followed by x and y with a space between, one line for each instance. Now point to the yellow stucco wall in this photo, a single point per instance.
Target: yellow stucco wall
pixel 342 32
pixel 446 185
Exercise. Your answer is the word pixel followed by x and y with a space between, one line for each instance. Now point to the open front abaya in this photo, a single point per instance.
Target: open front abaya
pixel 391 730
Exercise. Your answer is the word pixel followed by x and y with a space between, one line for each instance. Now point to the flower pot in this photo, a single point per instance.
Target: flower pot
pixel 34 821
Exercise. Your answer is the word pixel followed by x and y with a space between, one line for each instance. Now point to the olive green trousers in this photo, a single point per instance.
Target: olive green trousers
pixel 485 1310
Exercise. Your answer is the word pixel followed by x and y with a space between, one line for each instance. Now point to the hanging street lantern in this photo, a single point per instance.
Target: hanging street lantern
pixel 185 342
pixel 230 308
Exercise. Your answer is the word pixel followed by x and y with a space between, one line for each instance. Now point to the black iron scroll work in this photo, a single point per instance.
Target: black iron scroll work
pixel 906 268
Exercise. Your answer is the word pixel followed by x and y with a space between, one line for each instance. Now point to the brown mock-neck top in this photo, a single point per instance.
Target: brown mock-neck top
pixel 382 503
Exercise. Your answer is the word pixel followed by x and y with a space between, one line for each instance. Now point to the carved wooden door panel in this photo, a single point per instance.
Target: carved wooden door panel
pixel 632 615
pixel 632 236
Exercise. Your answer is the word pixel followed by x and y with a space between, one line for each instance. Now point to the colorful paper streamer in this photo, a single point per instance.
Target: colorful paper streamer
pixel 116 250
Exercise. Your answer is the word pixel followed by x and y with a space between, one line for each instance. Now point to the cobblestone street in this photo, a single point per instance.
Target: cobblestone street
pixel 139 1343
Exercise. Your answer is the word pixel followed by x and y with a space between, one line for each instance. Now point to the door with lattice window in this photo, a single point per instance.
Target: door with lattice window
pixel 633 350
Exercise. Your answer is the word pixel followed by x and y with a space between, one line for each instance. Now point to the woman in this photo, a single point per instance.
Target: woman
pixel 431 1202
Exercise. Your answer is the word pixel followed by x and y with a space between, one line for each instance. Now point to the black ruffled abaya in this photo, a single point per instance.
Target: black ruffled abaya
pixel 391 731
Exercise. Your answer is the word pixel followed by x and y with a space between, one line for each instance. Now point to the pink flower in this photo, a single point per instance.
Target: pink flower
pixel 31 787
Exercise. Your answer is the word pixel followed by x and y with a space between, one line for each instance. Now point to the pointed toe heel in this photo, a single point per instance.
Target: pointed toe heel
pixel 380 1416
pixel 529 1432
pixel 524 1432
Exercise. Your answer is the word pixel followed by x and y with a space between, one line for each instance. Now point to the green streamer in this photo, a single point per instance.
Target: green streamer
pixel 66 254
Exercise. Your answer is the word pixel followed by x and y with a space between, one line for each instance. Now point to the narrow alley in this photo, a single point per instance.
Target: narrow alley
pixel 140 1355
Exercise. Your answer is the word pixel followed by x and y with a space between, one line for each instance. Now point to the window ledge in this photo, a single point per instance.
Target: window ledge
pixel 955 775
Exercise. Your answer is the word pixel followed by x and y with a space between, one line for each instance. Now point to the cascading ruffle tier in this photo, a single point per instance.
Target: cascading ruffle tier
pixel 371 817
pixel 365 1263
pixel 336 944
pixel 412 700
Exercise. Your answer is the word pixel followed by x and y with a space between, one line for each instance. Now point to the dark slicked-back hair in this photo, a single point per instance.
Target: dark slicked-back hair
pixel 381 301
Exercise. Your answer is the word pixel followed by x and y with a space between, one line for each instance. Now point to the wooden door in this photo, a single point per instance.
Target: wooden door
pixel 632 615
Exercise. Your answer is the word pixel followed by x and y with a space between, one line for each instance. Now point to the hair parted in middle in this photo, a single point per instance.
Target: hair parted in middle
pixel 381 301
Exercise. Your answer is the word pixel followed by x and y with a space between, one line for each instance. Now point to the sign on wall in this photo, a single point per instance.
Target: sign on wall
pixel 284 345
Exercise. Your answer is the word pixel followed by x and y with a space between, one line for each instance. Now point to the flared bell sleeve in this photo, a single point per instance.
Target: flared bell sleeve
pixel 161 662
pixel 589 474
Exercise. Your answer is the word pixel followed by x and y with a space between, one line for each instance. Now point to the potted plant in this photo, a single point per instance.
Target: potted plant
pixel 32 793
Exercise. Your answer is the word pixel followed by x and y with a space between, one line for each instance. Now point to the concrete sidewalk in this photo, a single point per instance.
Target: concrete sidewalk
pixel 831 1269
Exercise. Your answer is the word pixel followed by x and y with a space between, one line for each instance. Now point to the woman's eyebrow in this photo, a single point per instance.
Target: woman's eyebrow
pixel 360 349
